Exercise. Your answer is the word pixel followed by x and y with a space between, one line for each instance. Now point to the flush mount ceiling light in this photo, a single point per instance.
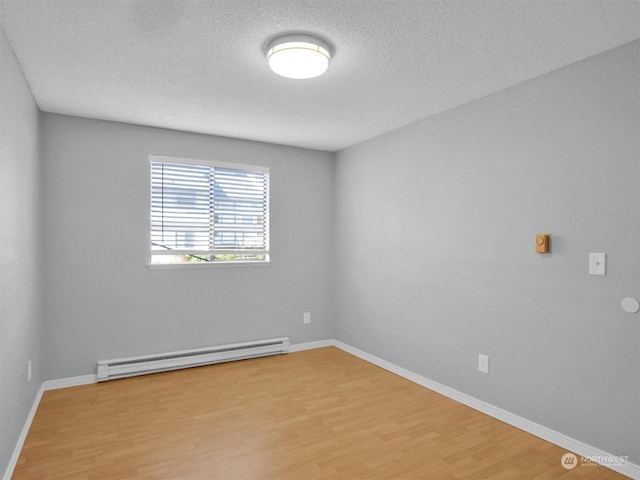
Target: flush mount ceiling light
pixel 298 56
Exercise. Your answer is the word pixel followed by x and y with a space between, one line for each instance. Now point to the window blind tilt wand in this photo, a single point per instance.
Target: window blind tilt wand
pixel 208 211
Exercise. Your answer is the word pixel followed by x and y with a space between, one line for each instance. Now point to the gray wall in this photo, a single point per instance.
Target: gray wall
pixel 20 251
pixel 102 301
pixel 435 249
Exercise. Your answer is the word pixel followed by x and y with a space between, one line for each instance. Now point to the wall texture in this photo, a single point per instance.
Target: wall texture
pixel 102 301
pixel 435 227
pixel 20 251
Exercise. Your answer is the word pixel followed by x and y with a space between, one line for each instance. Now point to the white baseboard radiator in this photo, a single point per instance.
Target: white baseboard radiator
pixel 162 362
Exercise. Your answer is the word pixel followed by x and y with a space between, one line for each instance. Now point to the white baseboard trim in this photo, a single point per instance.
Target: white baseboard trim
pixel 299 347
pixel 13 461
pixel 69 382
pixel 579 448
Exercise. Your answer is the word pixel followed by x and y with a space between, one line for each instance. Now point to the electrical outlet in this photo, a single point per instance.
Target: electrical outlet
pixel 307 317
pixel 483 363
pixel 29 371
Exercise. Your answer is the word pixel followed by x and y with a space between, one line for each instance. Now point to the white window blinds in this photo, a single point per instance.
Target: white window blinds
pixel 206 212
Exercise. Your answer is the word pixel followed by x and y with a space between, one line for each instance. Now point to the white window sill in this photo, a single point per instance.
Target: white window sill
pixel 170 266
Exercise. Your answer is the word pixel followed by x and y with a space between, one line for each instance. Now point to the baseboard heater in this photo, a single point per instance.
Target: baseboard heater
pixel 162 362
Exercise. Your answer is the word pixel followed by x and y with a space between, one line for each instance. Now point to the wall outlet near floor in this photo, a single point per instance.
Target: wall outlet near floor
pixel 483 363
pixel 29 371
pixel 307 317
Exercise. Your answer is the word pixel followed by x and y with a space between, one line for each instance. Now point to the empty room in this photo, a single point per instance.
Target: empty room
pixel 319 239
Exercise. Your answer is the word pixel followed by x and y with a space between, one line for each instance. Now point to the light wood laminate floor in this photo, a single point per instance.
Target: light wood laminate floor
pixel 317 414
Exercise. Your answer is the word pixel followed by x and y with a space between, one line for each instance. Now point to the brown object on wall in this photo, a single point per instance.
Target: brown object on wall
pixel 543 243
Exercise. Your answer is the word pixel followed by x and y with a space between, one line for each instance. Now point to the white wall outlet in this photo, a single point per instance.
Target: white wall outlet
pixel 307 317
pixel 483 363
pixel 597 263
pixel 29 371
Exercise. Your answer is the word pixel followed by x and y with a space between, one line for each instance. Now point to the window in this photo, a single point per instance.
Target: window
pixel 208 212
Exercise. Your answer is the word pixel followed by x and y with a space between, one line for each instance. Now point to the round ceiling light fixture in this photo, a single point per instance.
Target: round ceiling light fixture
pixel 298 56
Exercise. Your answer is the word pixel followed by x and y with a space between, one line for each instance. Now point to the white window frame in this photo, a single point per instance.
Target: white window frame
pixel 153 158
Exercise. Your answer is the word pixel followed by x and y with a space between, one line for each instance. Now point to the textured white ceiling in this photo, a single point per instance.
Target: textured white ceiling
pixel 199 65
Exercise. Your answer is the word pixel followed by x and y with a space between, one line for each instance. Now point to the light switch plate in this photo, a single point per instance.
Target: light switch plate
pixel 483 363
pixel 597 263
